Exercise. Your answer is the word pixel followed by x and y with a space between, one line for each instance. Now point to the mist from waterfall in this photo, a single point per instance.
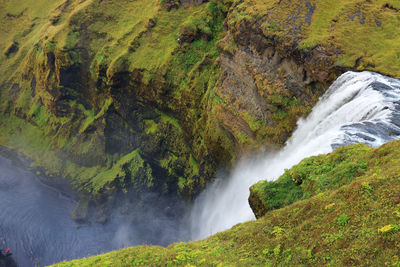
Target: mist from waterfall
pixel 36 224
pixel 358 107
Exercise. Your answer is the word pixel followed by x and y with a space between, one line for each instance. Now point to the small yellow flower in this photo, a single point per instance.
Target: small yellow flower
pixel 385 228
pixel 329 206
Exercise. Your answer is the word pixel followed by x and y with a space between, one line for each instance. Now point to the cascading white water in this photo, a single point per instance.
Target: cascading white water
pixel 358 107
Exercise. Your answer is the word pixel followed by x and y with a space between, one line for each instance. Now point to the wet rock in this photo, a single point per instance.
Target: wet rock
pixel 390 6
pixel 256 203
pixel 151 24
pixel 13 48
pixel 187 35
pixel 170 4
pixel 80 213
pixel 55 19
pixel 311 9
pixel 192 2
pixel 321 76
pixel 14 92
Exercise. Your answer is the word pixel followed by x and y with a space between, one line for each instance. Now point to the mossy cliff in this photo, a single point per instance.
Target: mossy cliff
pixel 114 95
pixel 133 96
pixel 341 209
pixel 280 56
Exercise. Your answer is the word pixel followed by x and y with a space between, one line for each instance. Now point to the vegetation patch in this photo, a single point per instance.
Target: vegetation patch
pixel 343 226
pixel 313 176
pixel 96 82
pixel 364 32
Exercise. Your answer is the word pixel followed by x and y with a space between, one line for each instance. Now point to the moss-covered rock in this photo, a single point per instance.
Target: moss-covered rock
pixel 186 84
pixel 348 214
pixel 312 176
pixel 354 34
pixel 278 57
pixel 112 98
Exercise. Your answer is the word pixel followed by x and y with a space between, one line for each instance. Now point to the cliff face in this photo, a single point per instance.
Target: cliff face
pixel 278 57
pixel 123 96
pixel 114 95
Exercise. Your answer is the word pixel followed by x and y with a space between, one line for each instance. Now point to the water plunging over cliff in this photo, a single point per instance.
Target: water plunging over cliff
pixel 358 107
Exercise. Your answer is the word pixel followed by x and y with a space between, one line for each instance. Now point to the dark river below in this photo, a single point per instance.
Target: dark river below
pixel 35 222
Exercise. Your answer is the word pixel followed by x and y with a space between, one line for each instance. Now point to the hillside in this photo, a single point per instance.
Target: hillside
pixel 347 215
pixel 154 96
pixel 139 103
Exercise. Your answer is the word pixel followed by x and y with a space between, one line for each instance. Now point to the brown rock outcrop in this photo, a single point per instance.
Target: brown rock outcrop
pixel 192 2
pixel 263 74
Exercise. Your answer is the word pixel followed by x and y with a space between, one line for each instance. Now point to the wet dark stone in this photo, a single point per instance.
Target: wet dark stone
pixel 13 48
pixel 14 91
pixel 310 12
pixel 33 87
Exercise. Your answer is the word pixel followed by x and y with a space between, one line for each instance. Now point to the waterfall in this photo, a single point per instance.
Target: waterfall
pixel 358 107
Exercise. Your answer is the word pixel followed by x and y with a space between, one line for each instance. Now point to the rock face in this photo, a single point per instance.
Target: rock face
pixel 118 112
pixel 256 203
pixel 193 2
pixel 157 102
pixel 267 82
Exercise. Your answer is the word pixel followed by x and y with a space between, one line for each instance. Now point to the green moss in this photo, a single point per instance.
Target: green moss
pixel 342 227
pixel 362 31
pixel 130 168
pixel 194 165
pixel 89 117
pixel 157 49
pixel 278 194
pixel 151 127
pixel 342 220
pixel 104 109
pixel 181 183
pixel 217 97
pixel 63 72
pixel 171 120
pixel 313 176
pixel 40 115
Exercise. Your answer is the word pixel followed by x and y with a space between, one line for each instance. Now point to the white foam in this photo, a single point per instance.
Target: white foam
pixel 358 107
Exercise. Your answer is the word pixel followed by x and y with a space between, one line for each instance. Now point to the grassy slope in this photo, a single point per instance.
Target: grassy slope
pixel 351 216
pixel 312 176
pixel 363 30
